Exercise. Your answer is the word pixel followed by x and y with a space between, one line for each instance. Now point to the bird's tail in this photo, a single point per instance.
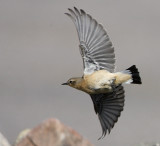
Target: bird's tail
pixel 136 79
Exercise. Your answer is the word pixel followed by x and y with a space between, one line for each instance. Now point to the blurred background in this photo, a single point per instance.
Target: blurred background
pixel 39 51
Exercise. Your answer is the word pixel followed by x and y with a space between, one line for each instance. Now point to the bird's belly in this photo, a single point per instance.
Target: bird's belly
pixel 102 90
pixel 99 82
pixel 93 90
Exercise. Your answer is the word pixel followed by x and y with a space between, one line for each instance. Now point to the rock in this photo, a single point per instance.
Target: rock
pixel 3 141
pixel 51 133
pixel 22 135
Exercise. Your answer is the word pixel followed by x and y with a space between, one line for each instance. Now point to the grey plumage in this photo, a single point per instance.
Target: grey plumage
pixel 95 46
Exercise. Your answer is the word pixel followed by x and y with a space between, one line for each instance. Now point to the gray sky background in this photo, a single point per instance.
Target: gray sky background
pixel 39 51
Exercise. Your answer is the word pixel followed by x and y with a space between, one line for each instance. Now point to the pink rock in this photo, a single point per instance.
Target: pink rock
pixel 53 133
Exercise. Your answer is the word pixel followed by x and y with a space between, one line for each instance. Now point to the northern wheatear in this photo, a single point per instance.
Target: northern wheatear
pixel 99 80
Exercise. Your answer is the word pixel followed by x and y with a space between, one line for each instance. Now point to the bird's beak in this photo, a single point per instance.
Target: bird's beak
pixel 64 84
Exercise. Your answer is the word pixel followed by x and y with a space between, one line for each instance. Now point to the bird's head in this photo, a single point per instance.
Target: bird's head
pixel 73 82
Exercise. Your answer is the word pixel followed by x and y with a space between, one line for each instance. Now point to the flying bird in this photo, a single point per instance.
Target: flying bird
pixel 99 78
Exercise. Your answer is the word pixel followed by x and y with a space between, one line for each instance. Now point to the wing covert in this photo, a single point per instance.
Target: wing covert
pixel 95 46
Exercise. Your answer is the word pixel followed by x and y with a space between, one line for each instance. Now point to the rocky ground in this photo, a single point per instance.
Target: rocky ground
pixel 49 133
pixel 53 133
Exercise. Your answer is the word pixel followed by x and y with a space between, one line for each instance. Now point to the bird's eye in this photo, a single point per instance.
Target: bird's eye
pixel 70 82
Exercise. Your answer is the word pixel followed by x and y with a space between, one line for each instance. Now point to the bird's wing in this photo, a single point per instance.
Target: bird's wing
pixel 108 107
pixel 95 46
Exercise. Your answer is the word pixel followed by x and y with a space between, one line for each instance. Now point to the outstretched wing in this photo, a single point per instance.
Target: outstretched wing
pixel 95 46
pixel 108 107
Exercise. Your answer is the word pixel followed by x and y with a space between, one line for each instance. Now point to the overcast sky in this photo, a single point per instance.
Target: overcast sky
pixel 39 51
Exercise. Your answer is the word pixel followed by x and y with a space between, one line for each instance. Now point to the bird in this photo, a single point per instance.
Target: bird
pixel 99 79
